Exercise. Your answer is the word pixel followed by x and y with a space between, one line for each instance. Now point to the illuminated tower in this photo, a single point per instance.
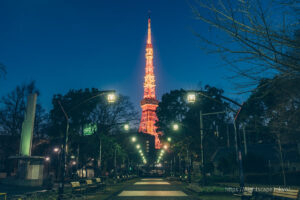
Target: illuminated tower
pixel 149 102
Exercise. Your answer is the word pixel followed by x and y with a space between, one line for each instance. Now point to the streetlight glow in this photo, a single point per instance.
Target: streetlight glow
pixel 175 127
pixel 47 159
pixel 133 139
pixel 191 97
pixel 126 127
pixel 138 146
pixel 56 149
pixel 169 139
pixel 111 98
pixel 165 147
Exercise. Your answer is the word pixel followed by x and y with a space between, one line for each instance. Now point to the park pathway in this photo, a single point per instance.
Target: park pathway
pixel 152 188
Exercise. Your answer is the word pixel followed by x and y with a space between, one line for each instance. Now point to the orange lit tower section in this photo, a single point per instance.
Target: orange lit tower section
pixel 149 102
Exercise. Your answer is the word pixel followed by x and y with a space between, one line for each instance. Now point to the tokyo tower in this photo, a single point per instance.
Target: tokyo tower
pixel 149 103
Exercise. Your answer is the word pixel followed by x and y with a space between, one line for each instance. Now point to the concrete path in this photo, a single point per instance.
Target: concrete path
pixel 152 188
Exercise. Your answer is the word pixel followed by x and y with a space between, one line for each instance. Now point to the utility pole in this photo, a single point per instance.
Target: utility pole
pixel 63 156
pixel 115 162
pixel 228 143
pixel 245 141
pixel 100 156
pixel 201 147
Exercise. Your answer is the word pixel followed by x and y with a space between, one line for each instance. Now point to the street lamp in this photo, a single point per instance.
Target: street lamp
pixel 138 146
pixel 133 139
pixel 111 97
pixel 191 97
pixel 126 127
pixel 169 139
pixel 165 147
pixel 175 127
pixel 56 149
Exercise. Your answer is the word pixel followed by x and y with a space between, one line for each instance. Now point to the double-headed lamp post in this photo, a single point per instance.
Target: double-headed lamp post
pixel 111 97
pixel 191 98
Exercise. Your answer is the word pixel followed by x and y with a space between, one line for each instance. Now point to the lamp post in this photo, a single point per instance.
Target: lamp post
pixel 111 97
pixel 56 150
pixel 47 159
pixel 191 98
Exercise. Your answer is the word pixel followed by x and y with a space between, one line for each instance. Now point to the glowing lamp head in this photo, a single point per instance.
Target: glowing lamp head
pixel 126 127
pixel 165 147
pixel 74 163
pixel 47 159
pixel 56 149
pixel 133 139
pixel 175 127
pixel 191 97
pixel 111 97
pixel 169 139
pixel 138 146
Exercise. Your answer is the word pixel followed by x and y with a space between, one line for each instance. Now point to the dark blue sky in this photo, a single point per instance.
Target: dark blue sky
pixel 79 44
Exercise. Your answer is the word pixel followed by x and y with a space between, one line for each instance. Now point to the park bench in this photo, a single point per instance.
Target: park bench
pixel 3 195
pixel 125 177
pixel 90 185
pixel 118 179
pixel 184 178
pixel 77 189
pixel 246 194
pixel 280 193
pixel 100 183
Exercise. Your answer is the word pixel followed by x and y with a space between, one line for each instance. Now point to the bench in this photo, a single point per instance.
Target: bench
pixel 280 193
pixel 4 195
pixel 90 185
pixel 183 178
pixel 99 183
pixel 77 188
pixel 246 194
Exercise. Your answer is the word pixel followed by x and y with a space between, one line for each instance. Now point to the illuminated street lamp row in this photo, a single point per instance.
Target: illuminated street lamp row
pixel 138 147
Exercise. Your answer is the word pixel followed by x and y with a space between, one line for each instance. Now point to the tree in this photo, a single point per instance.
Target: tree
pixel 13 109
pixel 174 109
pixel 86 107
pixel 254 37
pixel 12 113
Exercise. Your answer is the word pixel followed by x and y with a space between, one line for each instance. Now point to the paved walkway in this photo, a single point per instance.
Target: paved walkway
pixel 152 188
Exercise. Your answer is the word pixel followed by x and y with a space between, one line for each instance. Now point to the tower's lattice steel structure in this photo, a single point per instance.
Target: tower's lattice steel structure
pixel 149 103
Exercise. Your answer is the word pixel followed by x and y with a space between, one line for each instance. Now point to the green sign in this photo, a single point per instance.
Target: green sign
pixel 89 129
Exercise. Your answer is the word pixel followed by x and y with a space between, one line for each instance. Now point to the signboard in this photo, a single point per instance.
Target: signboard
pixel 89 129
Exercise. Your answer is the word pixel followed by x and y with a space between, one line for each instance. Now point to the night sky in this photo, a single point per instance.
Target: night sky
pixel 78 44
